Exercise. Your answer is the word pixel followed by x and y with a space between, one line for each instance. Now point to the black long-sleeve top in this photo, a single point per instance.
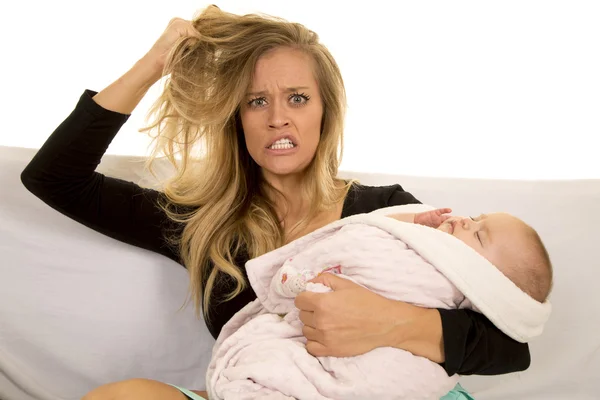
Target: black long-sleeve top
pixel 63 175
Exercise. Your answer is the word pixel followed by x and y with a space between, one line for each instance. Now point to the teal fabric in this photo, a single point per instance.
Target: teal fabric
pixel 189 394
pixel 458 393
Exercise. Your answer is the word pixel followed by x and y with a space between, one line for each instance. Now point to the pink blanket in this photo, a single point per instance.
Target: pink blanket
pixel 260 352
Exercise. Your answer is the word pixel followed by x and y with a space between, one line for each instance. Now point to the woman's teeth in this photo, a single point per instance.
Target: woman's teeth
pixel 282 144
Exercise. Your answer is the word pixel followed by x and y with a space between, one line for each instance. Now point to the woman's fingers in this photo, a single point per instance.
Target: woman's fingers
pixel 176 29
pixel 306 301
pixel 308 318
pixel 311 334
pixel 316 349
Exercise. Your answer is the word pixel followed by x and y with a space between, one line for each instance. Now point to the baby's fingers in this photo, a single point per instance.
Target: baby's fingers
pixel 444 218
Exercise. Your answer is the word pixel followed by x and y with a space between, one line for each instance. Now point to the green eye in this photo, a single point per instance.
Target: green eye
pixel 257 102
pixel 299 99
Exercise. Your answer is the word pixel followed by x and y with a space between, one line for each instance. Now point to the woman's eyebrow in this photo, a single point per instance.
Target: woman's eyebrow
pixel 287 90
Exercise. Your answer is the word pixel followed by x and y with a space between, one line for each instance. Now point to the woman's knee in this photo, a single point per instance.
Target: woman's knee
pixel 133 389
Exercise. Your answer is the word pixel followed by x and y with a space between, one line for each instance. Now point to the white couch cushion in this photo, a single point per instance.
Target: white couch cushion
pixel 79 309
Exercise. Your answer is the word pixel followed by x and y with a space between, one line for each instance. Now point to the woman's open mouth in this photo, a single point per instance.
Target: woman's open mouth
pixel 282 144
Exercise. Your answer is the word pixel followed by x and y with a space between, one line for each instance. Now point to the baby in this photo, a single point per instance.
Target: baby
pixel 261 350
pixel 508 243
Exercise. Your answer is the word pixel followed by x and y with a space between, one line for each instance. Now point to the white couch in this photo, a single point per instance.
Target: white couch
pixel 78 309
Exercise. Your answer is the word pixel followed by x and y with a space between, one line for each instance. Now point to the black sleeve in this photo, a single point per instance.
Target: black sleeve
pixel 473 345
pixel 400 197
pixel 62 174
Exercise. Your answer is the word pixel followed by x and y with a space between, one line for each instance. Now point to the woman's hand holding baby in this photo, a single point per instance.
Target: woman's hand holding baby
pixel 342 323
pixel 352 320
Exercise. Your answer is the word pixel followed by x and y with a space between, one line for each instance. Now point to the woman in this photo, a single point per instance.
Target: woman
pixel 266 101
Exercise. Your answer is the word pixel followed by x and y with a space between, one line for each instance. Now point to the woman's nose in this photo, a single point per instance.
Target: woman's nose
pixel 278 117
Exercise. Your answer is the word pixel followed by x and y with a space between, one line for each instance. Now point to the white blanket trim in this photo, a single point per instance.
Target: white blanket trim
pixel 509 308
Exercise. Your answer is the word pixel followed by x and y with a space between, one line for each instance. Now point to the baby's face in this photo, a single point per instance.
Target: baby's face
pixel 491 235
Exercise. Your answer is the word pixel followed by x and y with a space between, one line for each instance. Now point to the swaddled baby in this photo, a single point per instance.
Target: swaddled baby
pixel 494 263
pixel 507 242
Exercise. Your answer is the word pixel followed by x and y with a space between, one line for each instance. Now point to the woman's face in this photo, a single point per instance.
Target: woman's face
pixel 282 113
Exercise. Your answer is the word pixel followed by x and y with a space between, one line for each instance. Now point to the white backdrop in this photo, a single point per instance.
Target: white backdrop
pixel 503 89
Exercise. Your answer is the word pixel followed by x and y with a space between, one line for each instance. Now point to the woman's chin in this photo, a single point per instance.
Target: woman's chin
pixel 282 169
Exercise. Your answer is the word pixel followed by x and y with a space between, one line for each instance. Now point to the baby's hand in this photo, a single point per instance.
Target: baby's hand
pixel 288 281
pixel 433 218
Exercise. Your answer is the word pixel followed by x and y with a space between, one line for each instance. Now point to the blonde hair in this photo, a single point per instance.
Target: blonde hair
pixel 217 192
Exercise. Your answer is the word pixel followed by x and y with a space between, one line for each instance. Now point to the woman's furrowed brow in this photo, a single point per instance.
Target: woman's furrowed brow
pixel 286 90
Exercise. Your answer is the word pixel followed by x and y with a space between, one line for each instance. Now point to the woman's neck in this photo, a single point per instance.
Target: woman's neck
pixel 296 210
pixel 287 195
pixel 291 208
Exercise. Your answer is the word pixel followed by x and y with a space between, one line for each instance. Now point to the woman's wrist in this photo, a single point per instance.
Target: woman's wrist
pixel 153 66
pixel 124 94
pixel 420 332
pixel 146 72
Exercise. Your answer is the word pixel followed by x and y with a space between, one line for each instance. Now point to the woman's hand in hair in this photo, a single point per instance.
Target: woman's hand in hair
pixel 352 320
pixel 176 30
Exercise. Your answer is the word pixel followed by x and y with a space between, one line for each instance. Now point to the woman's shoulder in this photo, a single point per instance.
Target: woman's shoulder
pixel 365 198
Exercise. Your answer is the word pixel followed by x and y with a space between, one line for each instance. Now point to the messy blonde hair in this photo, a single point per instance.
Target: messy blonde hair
pixel 217 192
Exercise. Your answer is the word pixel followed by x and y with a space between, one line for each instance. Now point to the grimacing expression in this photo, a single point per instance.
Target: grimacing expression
pixel 281 115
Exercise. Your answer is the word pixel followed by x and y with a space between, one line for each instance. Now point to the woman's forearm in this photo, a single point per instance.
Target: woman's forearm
pixel 124 94
pixel 421 335
pixel 464 341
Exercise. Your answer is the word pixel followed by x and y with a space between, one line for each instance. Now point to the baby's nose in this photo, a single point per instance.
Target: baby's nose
pixel 466 222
